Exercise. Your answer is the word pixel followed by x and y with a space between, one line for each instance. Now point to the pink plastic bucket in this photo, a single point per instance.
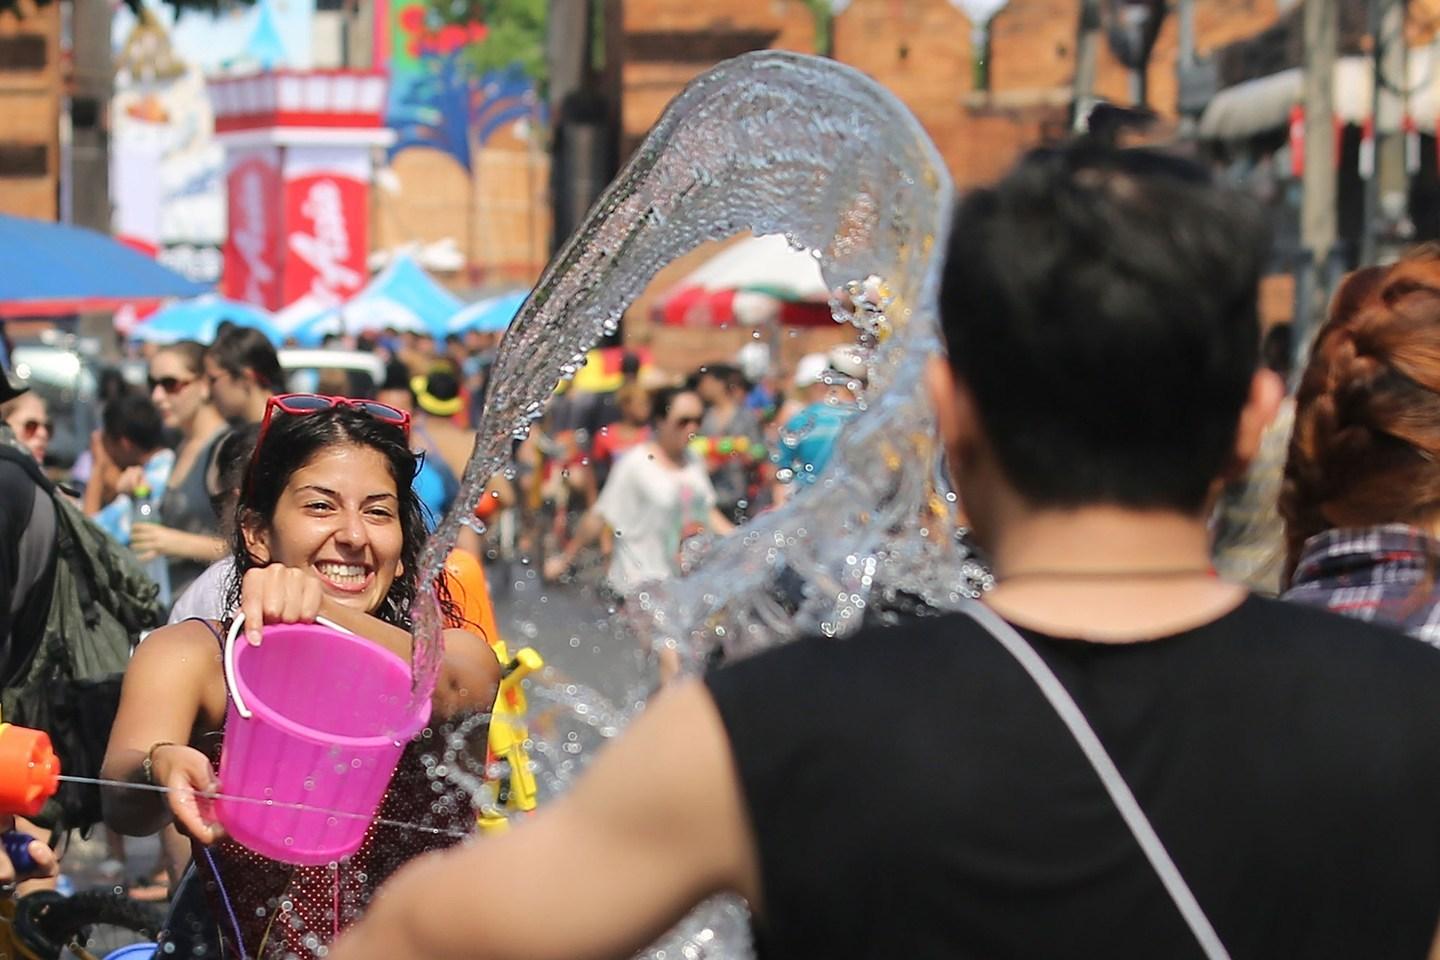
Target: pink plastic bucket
pixel 318 718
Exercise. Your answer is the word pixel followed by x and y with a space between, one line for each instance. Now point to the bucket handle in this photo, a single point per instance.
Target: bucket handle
pixel 231 686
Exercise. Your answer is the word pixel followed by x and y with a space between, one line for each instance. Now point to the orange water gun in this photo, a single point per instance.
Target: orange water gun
pixel 29 770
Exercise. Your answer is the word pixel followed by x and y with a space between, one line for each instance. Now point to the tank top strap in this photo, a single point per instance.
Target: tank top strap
pixel 214 630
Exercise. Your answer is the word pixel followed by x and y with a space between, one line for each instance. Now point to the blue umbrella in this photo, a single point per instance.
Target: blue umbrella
pixel 199 318
pixel 50 269
pixel 491 315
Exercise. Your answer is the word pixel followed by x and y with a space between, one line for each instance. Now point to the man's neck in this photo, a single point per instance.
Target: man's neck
pixel 1106 573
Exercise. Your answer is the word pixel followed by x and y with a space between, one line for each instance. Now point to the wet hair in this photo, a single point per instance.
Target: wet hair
pixel 135 419
pixel 190 352
pixel 1101 307
pixel 244 348
pixel 1365 449
pixel 293 441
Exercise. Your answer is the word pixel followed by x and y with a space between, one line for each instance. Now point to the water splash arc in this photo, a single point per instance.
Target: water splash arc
pixel 773 143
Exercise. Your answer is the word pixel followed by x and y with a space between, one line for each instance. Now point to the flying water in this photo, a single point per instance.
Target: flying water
pixel 773 143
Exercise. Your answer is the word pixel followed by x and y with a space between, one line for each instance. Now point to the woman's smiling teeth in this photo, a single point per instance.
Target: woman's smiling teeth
pixel 344 574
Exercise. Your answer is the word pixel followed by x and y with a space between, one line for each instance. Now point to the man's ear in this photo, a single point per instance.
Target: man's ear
pixel 1267 391
pixel 954 408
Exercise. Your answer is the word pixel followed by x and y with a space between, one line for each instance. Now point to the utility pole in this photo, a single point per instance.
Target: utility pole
pixel 1318 184
pixel 1087 51
pixel 1386 189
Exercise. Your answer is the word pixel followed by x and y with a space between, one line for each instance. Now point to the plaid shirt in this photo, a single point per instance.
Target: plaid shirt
pixel 1381 573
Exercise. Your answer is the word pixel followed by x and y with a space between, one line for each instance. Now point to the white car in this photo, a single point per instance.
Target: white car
pixel 350 373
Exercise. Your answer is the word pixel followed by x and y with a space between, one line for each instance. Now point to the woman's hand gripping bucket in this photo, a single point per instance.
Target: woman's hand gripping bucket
pixel 316 722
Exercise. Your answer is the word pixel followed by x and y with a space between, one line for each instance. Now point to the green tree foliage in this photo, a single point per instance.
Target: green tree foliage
pixel 515 33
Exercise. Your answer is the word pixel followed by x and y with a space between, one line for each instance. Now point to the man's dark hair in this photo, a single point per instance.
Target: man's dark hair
pixel 442 384
pixel 1277 349
pixel 244 348
pixel 1101 305
pixel 135 419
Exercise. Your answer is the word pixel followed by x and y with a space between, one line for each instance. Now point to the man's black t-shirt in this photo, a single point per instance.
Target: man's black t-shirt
pixel 913 794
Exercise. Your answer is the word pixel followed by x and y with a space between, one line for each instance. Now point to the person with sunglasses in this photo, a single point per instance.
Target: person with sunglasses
pixel 656 497
pixel 28 416
pixel 187 534
pixel 327 525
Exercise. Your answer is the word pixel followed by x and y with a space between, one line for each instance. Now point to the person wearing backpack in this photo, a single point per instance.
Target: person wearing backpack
pixel 73 604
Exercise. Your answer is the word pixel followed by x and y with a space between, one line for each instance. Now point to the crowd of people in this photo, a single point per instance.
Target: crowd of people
pixel 1119 753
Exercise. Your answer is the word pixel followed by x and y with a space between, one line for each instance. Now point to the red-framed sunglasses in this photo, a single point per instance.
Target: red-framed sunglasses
pixel 299 404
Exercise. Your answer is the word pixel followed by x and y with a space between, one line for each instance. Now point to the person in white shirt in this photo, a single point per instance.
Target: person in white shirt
pixel 657 496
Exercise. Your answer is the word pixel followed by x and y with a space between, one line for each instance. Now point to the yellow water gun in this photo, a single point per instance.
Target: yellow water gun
pixel 506 762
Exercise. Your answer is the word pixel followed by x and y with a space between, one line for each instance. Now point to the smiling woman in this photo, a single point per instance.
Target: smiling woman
pixel 327 525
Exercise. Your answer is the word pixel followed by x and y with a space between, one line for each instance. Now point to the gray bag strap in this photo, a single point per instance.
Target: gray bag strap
pixel 1110 775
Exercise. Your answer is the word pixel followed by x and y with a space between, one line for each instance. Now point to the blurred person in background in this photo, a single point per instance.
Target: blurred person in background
pixel 92 465
pixel 657 496
pixel 206 595
pixel 243 372
pixel 133 436
pixel 186 535
pixel 732 437
pixel 1361 497
pixel 445 446
pixel 29 418
pixel 629 431
pixel 807 439
pixel 1249 531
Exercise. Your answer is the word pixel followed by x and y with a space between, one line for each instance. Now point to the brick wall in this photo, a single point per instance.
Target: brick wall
pixel 30 110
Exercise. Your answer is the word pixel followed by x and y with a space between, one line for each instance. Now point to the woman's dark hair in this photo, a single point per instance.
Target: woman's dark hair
pixel 1101 307
pixel 244 348
pixel 663 400
pixel 191 352
pixel 1365 449
pixel 293 441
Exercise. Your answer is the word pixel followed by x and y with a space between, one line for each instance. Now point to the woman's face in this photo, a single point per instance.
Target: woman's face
pixel 31 423
pixel 681 424
pixel 177 391
pixel 339 518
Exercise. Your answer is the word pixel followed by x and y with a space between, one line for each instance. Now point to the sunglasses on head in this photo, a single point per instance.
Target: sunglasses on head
pixel 300 404
pixel 171 385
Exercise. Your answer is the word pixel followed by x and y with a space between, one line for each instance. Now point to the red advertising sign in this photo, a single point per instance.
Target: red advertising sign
pixel 326 236
pixel 252 248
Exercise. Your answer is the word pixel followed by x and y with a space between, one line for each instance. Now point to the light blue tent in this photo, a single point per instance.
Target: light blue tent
pixel 199 318
pixel 402 296
pixel 491 315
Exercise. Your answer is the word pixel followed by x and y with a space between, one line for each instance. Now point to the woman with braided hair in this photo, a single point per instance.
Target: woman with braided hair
pixel 1361 498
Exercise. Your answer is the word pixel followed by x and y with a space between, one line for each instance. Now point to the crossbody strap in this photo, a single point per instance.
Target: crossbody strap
pixel 1110 776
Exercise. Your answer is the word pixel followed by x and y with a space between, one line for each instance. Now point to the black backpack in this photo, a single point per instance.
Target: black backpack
pixel 101 601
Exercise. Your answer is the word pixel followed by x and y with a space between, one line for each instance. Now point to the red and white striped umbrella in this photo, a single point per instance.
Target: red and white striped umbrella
pixel 756 281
